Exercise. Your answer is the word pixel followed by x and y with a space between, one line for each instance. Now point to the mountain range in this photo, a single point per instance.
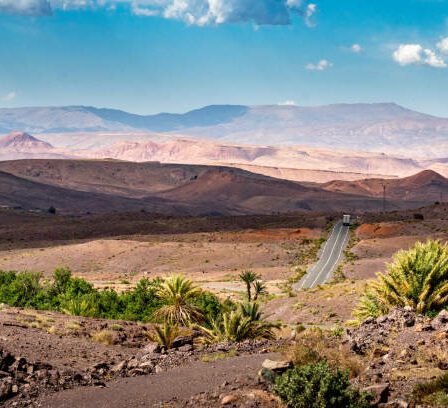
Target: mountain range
pixel 293 163
pixel 380 127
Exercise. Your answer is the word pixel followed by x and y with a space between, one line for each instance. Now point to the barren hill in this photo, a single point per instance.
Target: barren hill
pixel 426 186
pixel 17 192
pixel 78 186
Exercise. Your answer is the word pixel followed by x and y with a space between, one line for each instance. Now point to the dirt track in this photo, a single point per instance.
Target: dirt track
pixel 179 384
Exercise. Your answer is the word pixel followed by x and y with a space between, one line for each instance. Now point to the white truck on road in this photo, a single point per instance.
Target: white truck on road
pixel 346 220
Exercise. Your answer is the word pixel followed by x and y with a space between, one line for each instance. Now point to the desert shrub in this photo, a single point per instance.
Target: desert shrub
pixel 318 386
pixel 417 278
pixel 107 337
pixel 178 296
pixel 246 322
pixel 434 393
pixel 314 345
pixel 164 334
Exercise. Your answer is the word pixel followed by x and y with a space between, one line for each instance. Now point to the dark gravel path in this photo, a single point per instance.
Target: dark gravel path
pixel 149 391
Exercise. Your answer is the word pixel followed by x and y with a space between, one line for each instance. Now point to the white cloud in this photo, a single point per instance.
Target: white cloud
pixel 197 12
pixel 415 54
pixel 356 48
pixel 26 7
pixel 320 66
pixel 443 45
pixel 9 96
pixel 288 102
pixel 144 11
pixel 433 60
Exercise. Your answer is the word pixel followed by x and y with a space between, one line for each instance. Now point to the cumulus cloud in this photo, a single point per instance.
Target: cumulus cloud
pixel 9 96
pixel 197 12
pixel 26 7
pixel 356 48
pixel 442 46
pixel 415 54
pixel 288 102
pixel 320 66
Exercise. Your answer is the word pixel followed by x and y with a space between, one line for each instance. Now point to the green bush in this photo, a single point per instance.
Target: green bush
pixel 77 297
pixel 319 386
pixel 417 278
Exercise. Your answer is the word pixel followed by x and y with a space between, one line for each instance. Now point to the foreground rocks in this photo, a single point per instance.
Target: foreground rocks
pixel 22 381
pixel 400 350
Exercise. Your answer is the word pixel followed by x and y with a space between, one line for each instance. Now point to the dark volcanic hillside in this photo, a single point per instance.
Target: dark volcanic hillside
pixel 20 193
pixel 78 186
pixel 426 186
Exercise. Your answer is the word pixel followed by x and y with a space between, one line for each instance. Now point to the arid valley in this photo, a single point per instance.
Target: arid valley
pixel 223 203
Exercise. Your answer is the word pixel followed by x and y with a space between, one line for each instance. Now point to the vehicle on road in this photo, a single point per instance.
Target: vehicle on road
pixel 346 220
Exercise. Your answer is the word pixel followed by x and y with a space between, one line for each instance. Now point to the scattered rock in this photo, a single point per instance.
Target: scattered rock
pixel 183 341
pixel 380 392
pixel 277 367
pixel 228 399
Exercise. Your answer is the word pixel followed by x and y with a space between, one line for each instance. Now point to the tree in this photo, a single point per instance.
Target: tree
pixel 52 210
pixel 178 295
pixel 248 277
pixel 259 289
pixel 417 278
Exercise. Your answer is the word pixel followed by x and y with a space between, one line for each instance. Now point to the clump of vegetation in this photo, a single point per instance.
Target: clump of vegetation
pixel 178 295
pixel 434 393
pixel 246 322
pixel 319 386
pixel 77 297
pixel 107 337
pixel 313 346
pixel 417 278
pixel 164 334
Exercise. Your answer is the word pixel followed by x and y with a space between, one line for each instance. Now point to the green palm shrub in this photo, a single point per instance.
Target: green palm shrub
pixel 178 296
pixel 259 289
pixel 319 386
pixel 164 334
pixel 417 278
pixel 238 325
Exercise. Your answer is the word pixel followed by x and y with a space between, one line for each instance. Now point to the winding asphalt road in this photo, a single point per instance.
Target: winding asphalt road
pixel 329 258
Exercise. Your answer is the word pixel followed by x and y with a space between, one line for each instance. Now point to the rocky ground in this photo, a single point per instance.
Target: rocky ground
pixel 397 352
pixel 400 350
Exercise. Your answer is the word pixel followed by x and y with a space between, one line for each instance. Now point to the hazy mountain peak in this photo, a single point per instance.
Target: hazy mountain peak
pixel 23 141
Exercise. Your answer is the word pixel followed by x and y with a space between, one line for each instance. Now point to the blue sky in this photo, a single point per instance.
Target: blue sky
pixel 147 56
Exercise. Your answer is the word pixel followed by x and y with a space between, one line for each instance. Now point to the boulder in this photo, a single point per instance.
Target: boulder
pixel 182 341
pixel 228 399
pixel 185 349
pixel 277 367
pixel 379 391
pixel 440 321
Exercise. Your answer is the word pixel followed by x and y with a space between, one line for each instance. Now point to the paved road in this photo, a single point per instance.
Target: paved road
pixel 329 258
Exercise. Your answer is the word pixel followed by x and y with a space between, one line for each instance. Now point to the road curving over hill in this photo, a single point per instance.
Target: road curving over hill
pixel 329 258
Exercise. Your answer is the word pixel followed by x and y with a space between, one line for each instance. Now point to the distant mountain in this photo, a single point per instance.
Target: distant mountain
pixel 380 127
pixel 426 186
pixel 22 141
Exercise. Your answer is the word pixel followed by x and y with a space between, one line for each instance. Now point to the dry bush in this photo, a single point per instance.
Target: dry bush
pixel 314 345
pixel 107 337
